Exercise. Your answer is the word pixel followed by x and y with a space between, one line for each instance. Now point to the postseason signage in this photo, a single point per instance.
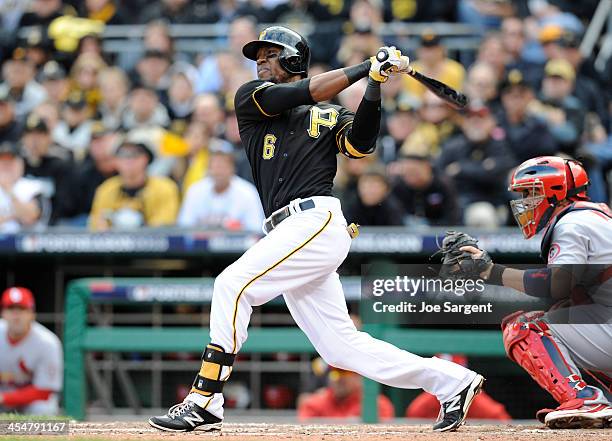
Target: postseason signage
pixel 197 290
pixel 393 241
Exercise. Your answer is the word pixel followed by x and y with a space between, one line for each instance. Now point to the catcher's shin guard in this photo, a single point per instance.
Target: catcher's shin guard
pixel 530 344
pixel 208 381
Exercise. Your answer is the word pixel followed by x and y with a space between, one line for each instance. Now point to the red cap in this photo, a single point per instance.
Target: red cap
pixel 18 296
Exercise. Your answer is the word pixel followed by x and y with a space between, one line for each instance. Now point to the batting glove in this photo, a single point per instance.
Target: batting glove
pixel 386 61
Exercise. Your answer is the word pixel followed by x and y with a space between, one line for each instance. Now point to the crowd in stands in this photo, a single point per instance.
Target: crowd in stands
pixel 121 140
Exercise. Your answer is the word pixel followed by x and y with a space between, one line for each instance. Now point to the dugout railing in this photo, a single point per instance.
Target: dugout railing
pixel 80 337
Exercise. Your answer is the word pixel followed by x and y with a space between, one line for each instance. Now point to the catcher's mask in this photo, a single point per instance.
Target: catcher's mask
pixel 295 54
pixel 544 183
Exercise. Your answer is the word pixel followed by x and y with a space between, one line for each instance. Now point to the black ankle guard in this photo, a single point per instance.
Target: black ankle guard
pixel 213 360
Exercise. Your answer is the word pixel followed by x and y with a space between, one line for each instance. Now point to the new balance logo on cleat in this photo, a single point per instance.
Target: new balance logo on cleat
pixel 194 419
pixel 454 411
pixel 453 404
pixel 185 417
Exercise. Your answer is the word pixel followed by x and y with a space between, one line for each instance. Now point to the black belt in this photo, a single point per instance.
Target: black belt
pixel 280 215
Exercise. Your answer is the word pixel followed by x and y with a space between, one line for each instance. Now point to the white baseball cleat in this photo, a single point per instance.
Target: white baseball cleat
pixel 589 416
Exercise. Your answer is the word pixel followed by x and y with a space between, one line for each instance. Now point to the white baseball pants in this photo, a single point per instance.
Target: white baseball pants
pixel 298 259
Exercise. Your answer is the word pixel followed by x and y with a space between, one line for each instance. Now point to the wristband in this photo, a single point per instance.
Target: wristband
pixel 495 276
pixel 357 72
pixel 372 92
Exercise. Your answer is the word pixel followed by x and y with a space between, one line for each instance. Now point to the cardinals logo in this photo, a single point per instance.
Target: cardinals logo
pixel 553 252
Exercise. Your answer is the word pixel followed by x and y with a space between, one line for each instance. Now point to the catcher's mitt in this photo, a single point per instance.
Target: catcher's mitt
pixel 459 264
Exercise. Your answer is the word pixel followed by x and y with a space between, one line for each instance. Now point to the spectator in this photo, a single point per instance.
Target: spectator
pixel 492 52
pixel 224 11
pixel 526 135
pixel 50 114
pixel 20 198
pixel 402 121
pixel 133 199
pixel 358 44
pixel 478 159
pixel 587 88
pixel 10 128
pixel 213 70
pixel 437 124
pixel 144 110
pixel 157 38
pixel 49 163
pixel 484 407
pixel 208 110
pixel 481 84
pixel 432 61
pixel 12 11
pixel 350 98
pixel 563 113
pixel 513 39
pixel 551 13
pixel 342 398
pixel 180 100
pixel 32 361
pixel 74 129
pixel 114 87
pixel 153 70
pixel 103 10
pixel 426 197
pixel 194 165
pixel 37 48
pixel 43 12
pixel 84 77
pixel 484 15
pixel 232 132
pixel 393 92
pixel 549 36
pixel 98 166
pixel 19 84
pixel 420 11
pixel 342 395
pixel 173 11
pixel 374 204
pixel 91 44
pixel 349 171
pixel 53 79
pixel 222 199
pixel 299 11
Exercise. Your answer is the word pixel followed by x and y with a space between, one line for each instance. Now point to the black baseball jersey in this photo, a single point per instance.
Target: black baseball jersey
pixel 292 154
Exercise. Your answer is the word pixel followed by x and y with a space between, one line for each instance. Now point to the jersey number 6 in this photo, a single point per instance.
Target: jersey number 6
pixel 268 146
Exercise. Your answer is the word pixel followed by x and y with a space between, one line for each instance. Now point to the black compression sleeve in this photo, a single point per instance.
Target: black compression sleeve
pixel 366 123
pixel 280 97
pixel 358 71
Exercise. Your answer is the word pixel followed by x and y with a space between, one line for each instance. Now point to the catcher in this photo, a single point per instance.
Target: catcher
pixel 577 243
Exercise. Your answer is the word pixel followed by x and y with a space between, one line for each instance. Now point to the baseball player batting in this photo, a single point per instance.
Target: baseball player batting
pixel 577 243
pixel 291 140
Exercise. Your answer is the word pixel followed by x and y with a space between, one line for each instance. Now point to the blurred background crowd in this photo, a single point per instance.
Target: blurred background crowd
pixel 103 139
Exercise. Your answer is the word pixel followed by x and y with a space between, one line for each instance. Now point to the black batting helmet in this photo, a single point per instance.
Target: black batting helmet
pixel 295 54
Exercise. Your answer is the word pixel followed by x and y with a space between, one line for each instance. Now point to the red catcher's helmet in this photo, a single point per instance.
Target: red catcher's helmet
pixel 544 182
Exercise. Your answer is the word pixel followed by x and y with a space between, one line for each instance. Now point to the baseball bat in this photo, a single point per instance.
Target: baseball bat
pixel 456 99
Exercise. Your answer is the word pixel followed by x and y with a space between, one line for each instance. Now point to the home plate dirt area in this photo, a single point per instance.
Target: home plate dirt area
pixel 341 432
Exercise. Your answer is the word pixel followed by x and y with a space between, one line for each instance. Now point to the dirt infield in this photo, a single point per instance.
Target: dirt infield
pixel 260 432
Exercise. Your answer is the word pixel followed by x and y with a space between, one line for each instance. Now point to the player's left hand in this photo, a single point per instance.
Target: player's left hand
pixel 462 259
pixel 387 60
